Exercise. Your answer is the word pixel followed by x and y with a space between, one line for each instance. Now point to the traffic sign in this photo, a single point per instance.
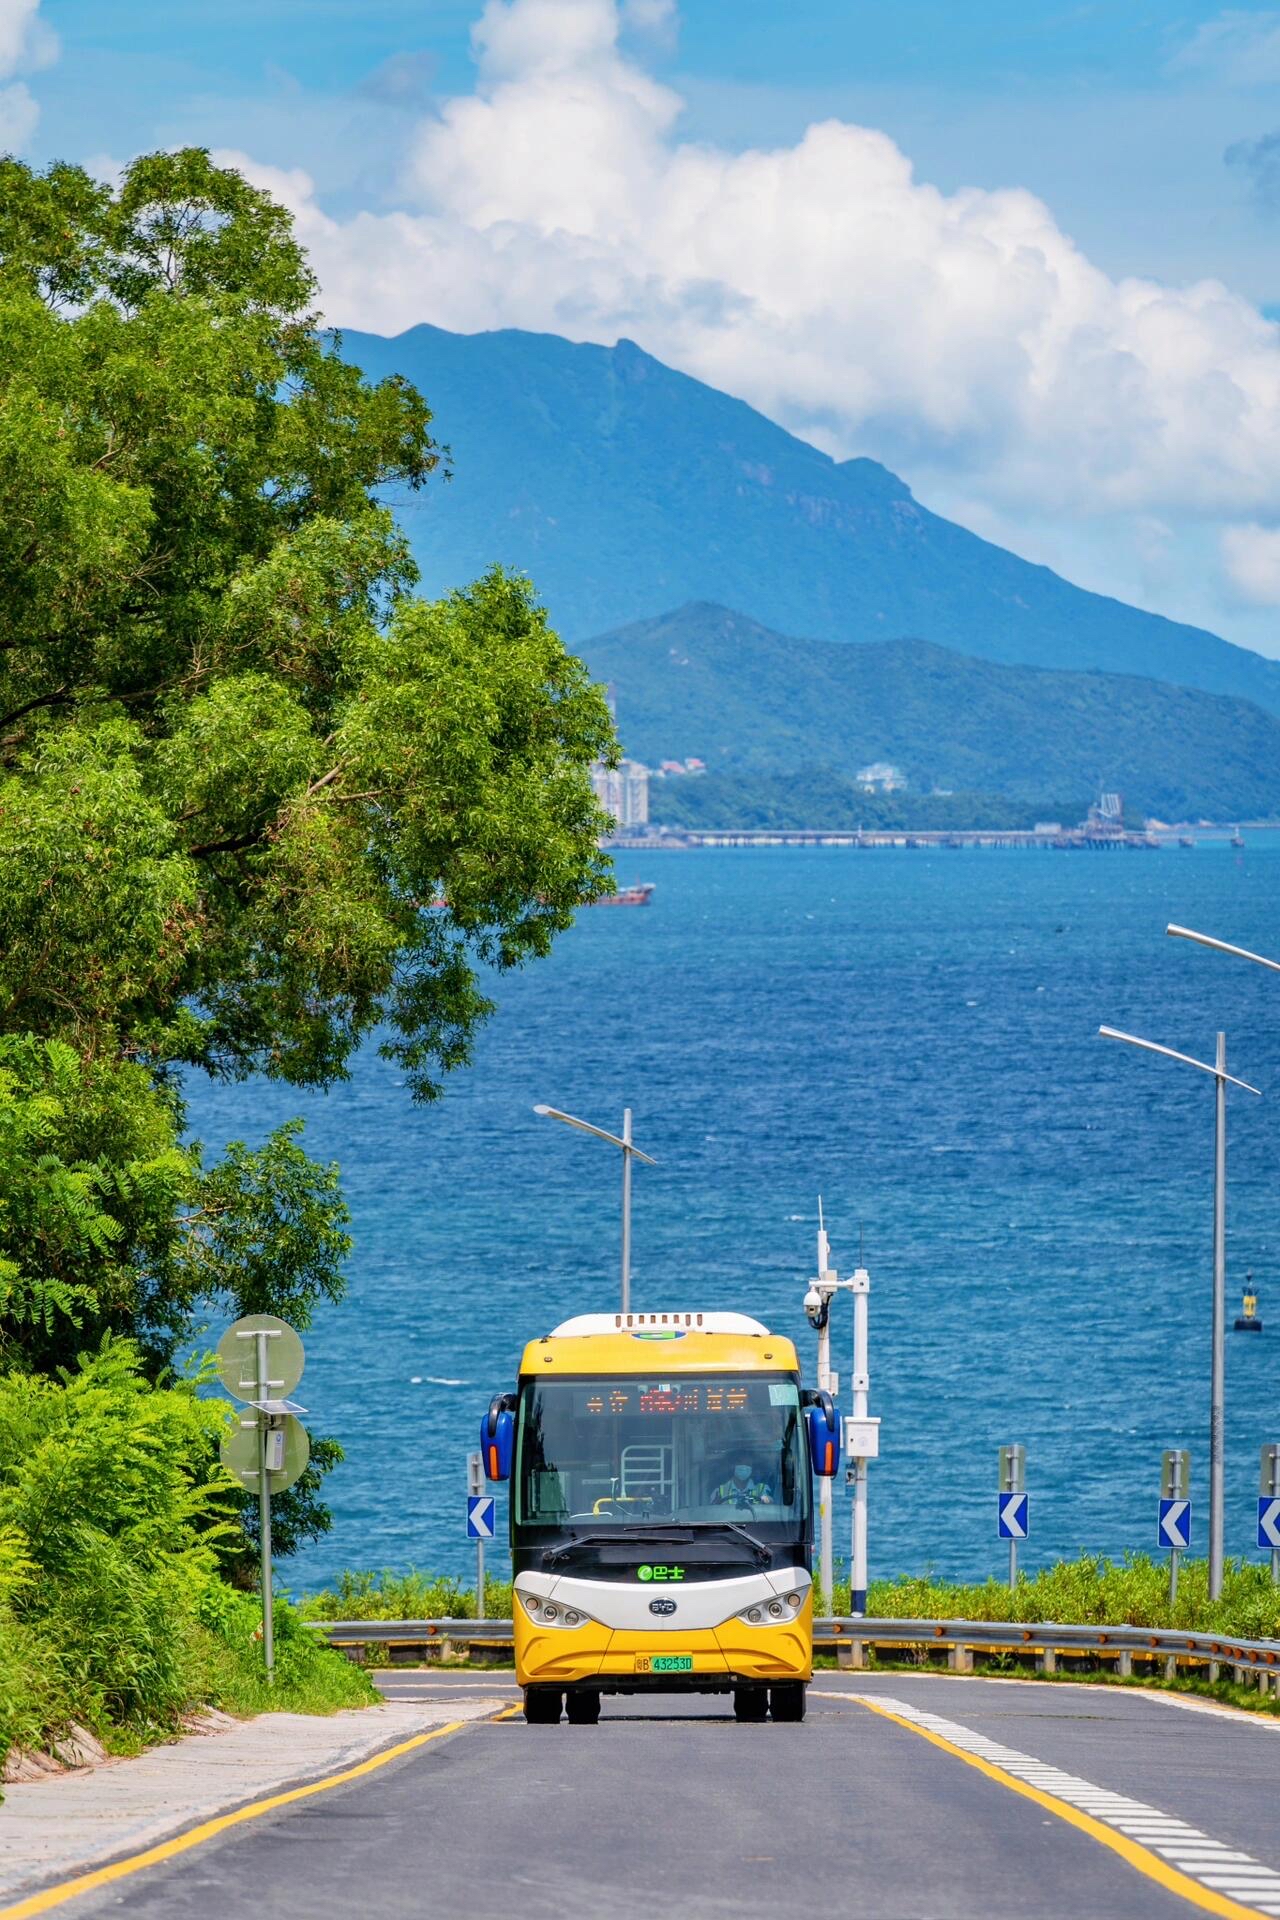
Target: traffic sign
pixel 1174 1529
pixel 238 1358
pixel 1269 1521
pixel 288 1451
pixel 1014 1520
pixel 480 1516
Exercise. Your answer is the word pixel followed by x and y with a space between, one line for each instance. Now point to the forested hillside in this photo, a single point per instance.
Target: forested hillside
pixel 707 682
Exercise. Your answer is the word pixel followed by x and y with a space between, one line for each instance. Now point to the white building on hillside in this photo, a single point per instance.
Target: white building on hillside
pixel 623 791
pixel 880 777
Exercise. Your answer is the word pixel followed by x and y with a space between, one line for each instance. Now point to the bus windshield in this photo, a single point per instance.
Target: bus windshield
pixel 687 1448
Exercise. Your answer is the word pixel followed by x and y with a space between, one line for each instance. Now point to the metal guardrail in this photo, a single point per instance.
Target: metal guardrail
pixel 1048 1646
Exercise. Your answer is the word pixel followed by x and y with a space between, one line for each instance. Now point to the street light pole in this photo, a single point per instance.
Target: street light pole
pixel 1217 1379
pixel 626 1209
pixel 629 1153
pixel 1220 1176
pixel 1217 1370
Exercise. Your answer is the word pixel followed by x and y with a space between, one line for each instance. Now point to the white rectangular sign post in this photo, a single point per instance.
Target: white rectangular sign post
pixel 475 1506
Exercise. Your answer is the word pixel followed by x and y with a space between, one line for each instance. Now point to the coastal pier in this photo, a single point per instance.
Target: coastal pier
pixel 675 839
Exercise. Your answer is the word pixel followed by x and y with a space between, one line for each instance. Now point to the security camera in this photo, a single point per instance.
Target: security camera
pixel 816 1306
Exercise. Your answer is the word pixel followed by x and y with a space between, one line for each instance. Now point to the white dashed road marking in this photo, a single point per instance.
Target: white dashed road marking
pixel 1229 1882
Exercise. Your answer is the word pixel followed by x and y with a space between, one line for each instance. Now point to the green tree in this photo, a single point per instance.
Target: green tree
pixel 240 761
pixel 257 800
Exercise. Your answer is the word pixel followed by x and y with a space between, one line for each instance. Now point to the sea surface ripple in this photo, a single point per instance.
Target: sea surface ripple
pixel 912 1034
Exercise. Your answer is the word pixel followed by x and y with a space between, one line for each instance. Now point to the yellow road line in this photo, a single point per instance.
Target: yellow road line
pixel 1138 1857
pixel 52 1897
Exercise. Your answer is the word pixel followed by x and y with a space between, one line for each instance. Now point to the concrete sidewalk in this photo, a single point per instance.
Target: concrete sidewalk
pixel 54 1828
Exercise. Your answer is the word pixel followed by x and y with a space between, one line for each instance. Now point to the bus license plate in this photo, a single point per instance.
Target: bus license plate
pixel 664 1663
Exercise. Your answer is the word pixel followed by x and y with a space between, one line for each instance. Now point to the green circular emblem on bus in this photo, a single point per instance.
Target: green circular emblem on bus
pixel 644 1573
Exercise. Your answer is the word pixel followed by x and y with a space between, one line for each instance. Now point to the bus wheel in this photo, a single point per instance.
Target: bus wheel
pixel 750 1703
pixel 787 1700
pixel 583 1706
pixel 542 1706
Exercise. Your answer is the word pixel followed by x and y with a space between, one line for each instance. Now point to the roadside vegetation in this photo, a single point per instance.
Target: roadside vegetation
pixel 1093 1590
pixel 113 1515
pixel 1084 1592
pixel 258 802
pixel 406 1596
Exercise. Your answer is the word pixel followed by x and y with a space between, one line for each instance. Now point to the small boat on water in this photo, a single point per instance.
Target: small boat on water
pixel 1237 838
pixel 1185 840
pixel 637 896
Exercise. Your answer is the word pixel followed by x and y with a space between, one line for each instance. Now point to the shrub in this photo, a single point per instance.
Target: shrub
pixel 111 1609
pixel 405 1596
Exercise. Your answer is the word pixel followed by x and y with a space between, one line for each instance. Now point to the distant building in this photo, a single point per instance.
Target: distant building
pixel 623 791
pixel 1048 827
pixel 880 777
pixel 1106 817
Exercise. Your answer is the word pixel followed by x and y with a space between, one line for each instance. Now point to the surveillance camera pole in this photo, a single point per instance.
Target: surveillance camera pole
pixel 817 1306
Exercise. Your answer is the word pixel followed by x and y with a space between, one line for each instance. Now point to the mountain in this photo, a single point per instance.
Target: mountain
pixel 624 488
pixel 707 682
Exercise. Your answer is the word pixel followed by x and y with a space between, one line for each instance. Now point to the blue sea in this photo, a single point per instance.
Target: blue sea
pixel 911 1035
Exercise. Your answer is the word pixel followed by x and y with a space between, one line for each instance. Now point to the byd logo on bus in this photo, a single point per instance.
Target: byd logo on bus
pixel 659 1573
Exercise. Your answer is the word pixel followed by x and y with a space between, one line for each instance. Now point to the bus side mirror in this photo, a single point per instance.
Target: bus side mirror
pixel 498 1437
pixel 823 1422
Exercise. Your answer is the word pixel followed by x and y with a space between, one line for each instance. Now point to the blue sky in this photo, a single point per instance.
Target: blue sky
pixel 1088 105
pixel 1143 129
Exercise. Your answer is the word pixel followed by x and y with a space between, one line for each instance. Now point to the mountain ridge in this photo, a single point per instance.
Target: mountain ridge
pixel 624 487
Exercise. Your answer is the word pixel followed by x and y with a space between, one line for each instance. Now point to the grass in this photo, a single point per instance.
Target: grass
pixel 405 1596
pixel 309 1676
pixel 1093 1591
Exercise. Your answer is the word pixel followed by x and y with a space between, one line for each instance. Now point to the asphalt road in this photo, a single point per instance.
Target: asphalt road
pixel 672 1807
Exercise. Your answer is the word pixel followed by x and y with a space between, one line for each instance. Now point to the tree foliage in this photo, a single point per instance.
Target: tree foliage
pixel 257 799
pixel 240 762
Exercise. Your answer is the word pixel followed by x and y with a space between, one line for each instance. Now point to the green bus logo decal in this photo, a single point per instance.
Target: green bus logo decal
pixel 659 1573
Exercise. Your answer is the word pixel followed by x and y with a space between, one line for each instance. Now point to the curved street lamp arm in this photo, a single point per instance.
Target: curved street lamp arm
pixel 1149 1046
pixel 1222 946
pixel 585 1126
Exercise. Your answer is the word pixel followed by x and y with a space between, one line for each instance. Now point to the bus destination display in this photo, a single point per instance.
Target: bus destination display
pixel 673 1397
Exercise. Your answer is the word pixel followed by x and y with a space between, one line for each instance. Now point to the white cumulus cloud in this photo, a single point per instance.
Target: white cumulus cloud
pixel 1239 46
pixel 1251 555
pixel 26 42
pixel 962 337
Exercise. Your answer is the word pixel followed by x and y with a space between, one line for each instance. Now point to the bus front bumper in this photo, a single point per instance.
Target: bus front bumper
pixel 627 1660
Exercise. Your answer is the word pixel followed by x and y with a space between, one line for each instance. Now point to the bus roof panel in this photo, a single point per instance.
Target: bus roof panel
pixel 670 1350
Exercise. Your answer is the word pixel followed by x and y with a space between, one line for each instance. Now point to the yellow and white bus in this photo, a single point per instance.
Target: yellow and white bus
pixel 662 1505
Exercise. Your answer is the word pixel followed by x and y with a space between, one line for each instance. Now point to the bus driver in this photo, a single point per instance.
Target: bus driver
pixel 742 1489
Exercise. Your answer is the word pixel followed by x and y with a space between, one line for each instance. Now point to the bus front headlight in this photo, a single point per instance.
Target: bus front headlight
pixel 551 1613
pixel 768 1612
